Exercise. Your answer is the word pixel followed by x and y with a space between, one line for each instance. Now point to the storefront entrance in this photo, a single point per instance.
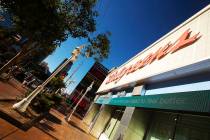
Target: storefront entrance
pixel 113 124
pixel 169 126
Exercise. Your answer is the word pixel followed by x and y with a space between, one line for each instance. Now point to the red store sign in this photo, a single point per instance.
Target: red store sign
pixel 183 41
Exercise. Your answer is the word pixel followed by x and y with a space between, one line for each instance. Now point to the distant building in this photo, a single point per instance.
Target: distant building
pixel 97 73
pixel 64 72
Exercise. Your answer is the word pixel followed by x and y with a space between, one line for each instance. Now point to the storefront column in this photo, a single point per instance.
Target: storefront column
pixel 101 121
pixel 124 122
pixel 138 125
pixel 91 113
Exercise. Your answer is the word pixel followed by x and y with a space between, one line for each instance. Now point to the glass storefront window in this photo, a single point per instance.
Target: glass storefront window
pixel 166 126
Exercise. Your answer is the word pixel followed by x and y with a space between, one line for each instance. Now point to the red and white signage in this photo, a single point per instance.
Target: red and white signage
pixel 183 41
pixel 184 46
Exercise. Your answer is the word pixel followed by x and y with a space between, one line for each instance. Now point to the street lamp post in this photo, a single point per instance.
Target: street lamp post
pixel 20 41
pixel 74 109
pixel 80 93
pixel 23 104
pixel 69 79
pixel 67 84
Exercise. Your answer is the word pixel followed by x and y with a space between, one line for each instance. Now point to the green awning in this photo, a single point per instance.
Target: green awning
pixel 196 101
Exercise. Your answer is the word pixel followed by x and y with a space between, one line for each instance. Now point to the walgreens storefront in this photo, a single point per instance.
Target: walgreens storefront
pixel 163 92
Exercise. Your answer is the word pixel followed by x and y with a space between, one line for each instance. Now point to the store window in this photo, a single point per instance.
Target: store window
pixel 113 123
pixel 169 126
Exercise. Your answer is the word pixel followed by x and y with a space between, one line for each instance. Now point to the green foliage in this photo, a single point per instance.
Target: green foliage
pixel 43 102
pixel 68 101
pixel 50 22
pixel 6 37
pixel 38 54
pixel 56 83
pixel 99 46
pixel 37 70
pixel 56 98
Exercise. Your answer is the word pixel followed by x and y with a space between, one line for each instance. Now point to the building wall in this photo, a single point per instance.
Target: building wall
pixel 138 125
pixel 122 127
pixel 97 73
pixel 94 109
pixel 191 58
pixel 182 77
pixel 178 126
pixel 101 121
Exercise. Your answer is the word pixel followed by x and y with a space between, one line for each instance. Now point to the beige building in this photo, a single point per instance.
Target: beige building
pixel 162 93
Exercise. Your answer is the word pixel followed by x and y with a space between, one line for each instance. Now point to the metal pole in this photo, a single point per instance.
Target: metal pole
pixel 69 78
pixel 90 106
pixel 70 82
pixel 80 93
pixel 24 103
pixel 2 69
pixel 57 90
pixel 12 60
pixel 76 98
pixel 74 109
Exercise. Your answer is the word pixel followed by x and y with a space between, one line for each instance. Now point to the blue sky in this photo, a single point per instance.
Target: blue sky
pixel 134 24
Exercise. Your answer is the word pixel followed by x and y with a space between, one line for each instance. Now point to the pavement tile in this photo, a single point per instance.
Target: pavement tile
pixel 7 91
pixel 32 134
pixel 6 107
pixel 10 132
pixel 45 130
pixel 6 128
pixel 64 131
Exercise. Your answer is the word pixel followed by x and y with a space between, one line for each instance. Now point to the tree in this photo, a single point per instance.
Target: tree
pixel 51 22
pixel 99 46
pixel 56 83
pixel 36 56
pixel 38 71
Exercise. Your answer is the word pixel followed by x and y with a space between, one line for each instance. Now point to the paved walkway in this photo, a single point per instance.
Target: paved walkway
pixel 53 127
pixel 10 132
pixel 62 130
pixel 9 92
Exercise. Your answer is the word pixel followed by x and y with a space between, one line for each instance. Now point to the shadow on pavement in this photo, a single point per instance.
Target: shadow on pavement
pixel 47 123
pixel 76 126
pixel 46 126
pixel 53 119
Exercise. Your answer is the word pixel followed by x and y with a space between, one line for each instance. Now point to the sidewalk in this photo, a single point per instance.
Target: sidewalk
pixel 10 132
pixel 9 92
pixel 8 95
pixel 54 127
pixel 62 130
pixel 77 122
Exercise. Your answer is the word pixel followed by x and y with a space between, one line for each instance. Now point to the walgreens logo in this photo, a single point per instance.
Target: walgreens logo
pixel 183 41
